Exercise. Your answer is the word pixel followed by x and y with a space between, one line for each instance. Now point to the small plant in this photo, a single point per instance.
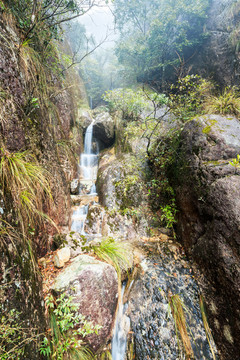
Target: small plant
pixel 67 331
pixel 168 215
pixel 177 308
pixel 227 103
pixel 235 162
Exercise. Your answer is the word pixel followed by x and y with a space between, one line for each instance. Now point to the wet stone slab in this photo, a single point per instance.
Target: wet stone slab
pixel 152 324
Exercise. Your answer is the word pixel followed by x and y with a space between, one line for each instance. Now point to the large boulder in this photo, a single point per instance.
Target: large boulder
pixel 208 198
pixel 111 223
pixel 120 182
pixel 104 129
pixel 94 286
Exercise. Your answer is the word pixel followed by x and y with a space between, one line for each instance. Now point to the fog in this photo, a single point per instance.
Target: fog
pixel 99 22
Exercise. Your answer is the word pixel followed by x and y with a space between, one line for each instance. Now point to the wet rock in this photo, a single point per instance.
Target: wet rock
pixel 61 257
pixel 74 242
pixel 74 187
pixel 151 319
pixel 84 199
pixel 104 129
pixel 94 286
pixel 208 198
pixel 85 117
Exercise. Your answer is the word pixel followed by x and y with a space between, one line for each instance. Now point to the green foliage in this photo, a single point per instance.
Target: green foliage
pixel 27 184
pixel 226 103
pixel 162 156
pixel 133 103
pixel 156 34
pixel 168 215
pixel 44 17
pixel 68 329
pixel 14 335
pixel 188 96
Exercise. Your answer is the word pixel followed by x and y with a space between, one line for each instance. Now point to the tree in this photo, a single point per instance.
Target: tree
pixel 156 35
pixel 46 16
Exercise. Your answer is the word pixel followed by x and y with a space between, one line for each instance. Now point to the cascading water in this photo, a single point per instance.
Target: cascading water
pixel 122 327
pixel 89 159
pixel 88 175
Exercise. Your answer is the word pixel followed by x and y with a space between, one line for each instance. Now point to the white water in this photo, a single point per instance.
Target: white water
pixel 88 175
pixel 89 159
pixel 122 327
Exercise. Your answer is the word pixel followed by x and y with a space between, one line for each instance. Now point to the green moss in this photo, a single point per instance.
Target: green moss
pixel 207 129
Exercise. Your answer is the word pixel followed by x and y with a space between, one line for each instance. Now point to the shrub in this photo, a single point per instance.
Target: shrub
pixel 14 335
pixel 67 330
pixel 227 103
pixel 133 103
pixel 188 96
pixel 168 215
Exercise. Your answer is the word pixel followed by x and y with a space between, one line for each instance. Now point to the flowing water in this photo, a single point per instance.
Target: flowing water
pixel 122 327
pixel 88 175
pixel 164 269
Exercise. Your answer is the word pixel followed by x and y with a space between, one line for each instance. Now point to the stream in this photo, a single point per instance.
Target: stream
pixel 163 270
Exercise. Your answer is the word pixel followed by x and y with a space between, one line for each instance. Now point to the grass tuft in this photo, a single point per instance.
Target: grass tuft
pixel 177 309
pixel 27 183
pixel 227 103
pixel 206 326
pixel 115 253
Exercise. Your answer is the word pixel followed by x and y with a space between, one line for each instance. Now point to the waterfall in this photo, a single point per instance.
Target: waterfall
pixel 89 159
pixel 88 175
pixel 121 329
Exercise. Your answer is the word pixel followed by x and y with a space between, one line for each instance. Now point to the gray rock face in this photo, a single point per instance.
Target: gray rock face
pixel 85 117
pixel 74 187
pixel 219 55
pixel 208 198
pixel 104 129
pixel 122 190
pixel 151 320
pixel 120 182
pixel 100 221
pixel 96 293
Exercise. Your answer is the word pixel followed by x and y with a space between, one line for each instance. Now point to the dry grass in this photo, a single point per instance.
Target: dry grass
pixel 177 309
pixel 206 326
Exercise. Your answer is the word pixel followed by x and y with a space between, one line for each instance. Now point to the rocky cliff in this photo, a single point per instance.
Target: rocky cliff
pixel 219 55
pixel 207 190
pixel 38 120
